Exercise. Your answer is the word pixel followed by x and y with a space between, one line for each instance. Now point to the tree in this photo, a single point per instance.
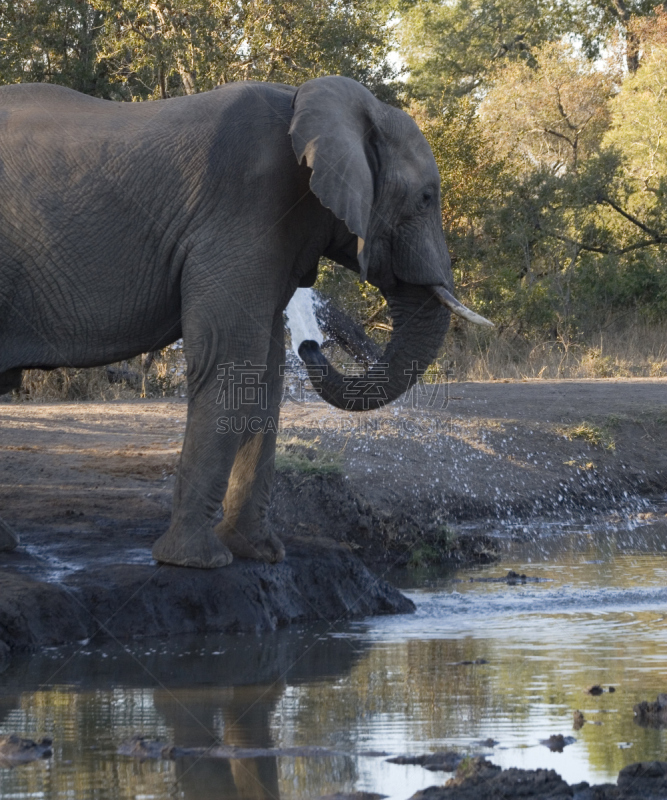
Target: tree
pixel 160 48
pixel 54 42
pixel 141 49
pixel 552 115
pixel 595 21
pixel 450 48
pixel 639 117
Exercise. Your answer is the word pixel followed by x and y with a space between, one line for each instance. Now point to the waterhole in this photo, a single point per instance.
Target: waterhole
pixel 479 660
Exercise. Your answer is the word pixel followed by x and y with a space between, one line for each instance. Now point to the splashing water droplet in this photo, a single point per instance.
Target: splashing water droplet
pixel 301 319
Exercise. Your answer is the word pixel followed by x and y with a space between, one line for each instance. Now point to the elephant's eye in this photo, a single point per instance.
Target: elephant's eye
pixel 426 199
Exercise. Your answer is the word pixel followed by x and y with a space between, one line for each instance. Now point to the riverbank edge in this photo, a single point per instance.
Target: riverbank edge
pixel 318 581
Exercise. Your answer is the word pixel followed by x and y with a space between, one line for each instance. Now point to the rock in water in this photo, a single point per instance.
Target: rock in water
pixel 652 715
pixel 556 742
pixel 16 750
pixel 446 761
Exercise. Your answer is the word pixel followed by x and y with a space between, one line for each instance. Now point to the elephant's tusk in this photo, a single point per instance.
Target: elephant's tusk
pixel 448 299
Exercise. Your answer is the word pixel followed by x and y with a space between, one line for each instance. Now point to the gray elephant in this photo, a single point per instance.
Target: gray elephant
pixel 125 226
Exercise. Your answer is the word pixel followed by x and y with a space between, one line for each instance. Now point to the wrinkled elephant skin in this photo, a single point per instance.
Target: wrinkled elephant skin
pixel 126 226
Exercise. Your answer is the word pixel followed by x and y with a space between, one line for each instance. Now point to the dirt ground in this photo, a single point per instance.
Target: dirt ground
pixel 396 484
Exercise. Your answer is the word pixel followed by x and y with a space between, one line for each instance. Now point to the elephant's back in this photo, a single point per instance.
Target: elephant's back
pixel 55 114
pixel 47 95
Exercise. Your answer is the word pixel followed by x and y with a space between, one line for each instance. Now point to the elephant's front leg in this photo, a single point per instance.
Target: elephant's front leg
pixel 223 381
pixel 244 528
pixel 201 480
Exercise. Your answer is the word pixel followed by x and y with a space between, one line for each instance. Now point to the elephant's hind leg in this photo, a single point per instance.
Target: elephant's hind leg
pixel 243 527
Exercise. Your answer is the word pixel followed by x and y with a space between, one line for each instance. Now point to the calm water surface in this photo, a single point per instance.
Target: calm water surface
pixel 386 684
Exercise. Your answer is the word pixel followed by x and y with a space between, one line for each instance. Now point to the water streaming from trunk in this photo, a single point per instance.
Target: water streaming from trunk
pixel 301 320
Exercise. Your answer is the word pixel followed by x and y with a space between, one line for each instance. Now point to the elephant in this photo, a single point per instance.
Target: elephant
pixel 127 226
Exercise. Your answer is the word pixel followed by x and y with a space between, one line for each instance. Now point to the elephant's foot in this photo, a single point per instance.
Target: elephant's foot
pixel 8 539
pixel 262 547
pixel 186 549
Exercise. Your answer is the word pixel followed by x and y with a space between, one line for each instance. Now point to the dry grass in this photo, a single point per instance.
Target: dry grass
pixel 123 381
pixel 635 351
pixel 638 351
pixel 597 435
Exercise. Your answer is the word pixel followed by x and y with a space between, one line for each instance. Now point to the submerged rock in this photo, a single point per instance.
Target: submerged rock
pixel 511 579
pixel 446 761
pixel 652 715
pixel 557 742
pixel 16 750
pixel 353 796
pixel 144 749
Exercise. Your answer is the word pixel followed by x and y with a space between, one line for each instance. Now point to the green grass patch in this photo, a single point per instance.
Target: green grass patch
pixel 435 548
pixel 661 416
pixel 299 455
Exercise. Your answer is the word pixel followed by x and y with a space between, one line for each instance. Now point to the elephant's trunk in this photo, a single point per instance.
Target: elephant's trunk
pixel 419 326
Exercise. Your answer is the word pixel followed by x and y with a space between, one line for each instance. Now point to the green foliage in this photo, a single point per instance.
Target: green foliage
pixel 41 40
pixel 161 49
pixel 451 47
pixel 135 49
pixel 550 114
pixel 553 168
pixel 435 548
pixel 363 302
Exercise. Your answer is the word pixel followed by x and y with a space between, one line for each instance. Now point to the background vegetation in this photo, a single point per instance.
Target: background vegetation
pixel 547 120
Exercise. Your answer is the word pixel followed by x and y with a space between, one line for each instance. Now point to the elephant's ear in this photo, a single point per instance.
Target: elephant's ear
pixel 333 128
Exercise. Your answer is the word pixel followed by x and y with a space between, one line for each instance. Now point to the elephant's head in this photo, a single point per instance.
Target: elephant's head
pixel 374 169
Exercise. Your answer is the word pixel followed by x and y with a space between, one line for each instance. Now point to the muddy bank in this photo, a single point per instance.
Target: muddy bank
pixel 87 486
pixel 44 605
pixel 437 477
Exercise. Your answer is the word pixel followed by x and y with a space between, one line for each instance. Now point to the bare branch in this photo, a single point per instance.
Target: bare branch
pixel 657 237
pixel 615 251
pixel 560 136
pixel 562 112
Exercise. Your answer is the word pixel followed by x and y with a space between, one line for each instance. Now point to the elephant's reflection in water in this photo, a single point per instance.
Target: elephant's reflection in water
pixel 238 716
pixel 210 690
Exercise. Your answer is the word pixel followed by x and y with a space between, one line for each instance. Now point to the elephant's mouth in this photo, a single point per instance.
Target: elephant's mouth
pixel 449 301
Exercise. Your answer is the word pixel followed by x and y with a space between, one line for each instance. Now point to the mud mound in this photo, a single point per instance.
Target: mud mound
pixel 318 581
pixel 325 505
